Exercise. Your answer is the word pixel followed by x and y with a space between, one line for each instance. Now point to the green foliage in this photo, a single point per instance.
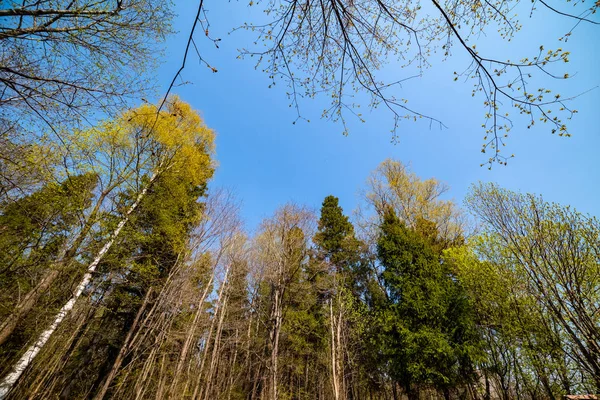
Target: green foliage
pixel 185 305
pixel 427 331
pixel 35 229
pixel 334 230
pixel 533 274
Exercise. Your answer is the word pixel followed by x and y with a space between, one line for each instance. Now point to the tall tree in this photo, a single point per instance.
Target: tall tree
pixel 36 229
pixel 282 246
pixel 175 141
pixel 339 255
pixel 428 336
pixel 555 251
pixel 524 350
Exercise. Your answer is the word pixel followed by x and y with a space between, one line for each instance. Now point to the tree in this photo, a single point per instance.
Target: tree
pixel 554 251
pixel 176 347
pixel 336 49
pixel 427 333
pixel 36 229
pixel 175 141
pixel 335 239
pixel 416 202
pixel 524 349
pixel 339 256
pixel 24 166
pixel 282 246
pixel 63 60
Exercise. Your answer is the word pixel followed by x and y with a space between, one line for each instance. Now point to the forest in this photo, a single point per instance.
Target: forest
pixel 135 280
pixel 128 272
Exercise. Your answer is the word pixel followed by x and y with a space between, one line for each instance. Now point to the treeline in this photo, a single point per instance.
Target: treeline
pixel 122 276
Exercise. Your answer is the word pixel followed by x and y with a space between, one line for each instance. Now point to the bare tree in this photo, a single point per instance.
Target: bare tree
pixel 338 49
pixel 61 60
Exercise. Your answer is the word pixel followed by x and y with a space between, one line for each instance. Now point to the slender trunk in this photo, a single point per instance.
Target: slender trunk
pixel 232 365
pixel 248 361
pixel 306 374
pixel 26 359
pixel 488 394
pixel 162 327
pixel 140 385
pixel 221 308
pixel 117 364
pixel 161 379
pixel 189 337
pixel 276 318
pixel 334 373
pixel 203 361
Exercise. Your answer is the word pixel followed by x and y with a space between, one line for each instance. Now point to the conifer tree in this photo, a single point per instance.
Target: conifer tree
pixel 427 337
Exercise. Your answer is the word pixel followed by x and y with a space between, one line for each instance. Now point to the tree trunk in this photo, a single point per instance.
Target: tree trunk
pixel 31 298
pixel 276 318
pixel 189 337
pixel 220 311
pixel 117 364
pixel 334 372
pixel 232 366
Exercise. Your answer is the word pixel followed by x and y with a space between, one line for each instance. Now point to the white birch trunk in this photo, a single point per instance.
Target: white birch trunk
pixel 334 344
pixel 9 380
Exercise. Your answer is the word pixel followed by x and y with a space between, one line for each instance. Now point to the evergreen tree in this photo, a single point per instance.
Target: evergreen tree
pixel 341 286
pixel 428 337
pixel 36 231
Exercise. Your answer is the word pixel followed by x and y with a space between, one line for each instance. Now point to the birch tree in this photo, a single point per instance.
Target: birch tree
pixel 36 229
pixel 174 140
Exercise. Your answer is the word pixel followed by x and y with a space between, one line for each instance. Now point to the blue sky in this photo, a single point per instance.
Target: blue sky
pixel 268 161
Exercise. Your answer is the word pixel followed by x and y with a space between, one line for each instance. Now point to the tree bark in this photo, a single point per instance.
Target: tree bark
pixel 334 341
pixel 220 311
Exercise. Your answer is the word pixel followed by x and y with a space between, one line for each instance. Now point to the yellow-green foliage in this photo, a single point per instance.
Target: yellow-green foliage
pixel 140 140
pixel 185 140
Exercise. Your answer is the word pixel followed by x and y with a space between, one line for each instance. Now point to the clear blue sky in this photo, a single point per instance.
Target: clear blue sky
pixel 268 161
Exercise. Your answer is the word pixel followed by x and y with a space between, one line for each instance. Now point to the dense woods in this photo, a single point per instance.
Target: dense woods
pixel 126 274
pixel 123 276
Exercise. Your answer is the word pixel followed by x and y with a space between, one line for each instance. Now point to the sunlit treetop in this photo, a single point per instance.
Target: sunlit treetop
pixel 181 137
pixel 143 141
